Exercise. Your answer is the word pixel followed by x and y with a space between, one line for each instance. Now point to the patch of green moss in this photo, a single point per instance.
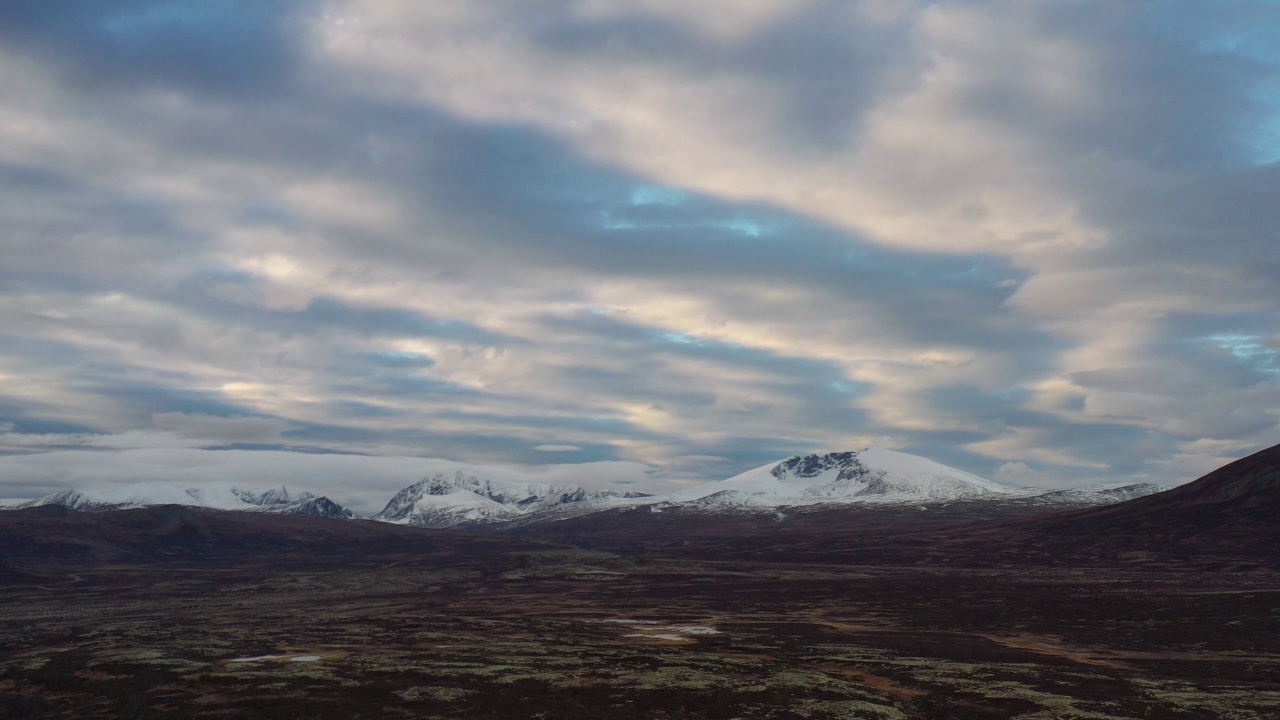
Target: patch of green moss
pixel 671 677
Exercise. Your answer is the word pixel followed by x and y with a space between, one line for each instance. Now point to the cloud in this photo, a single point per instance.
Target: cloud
pixel 213 45
pixel 360 482
pixel 225 429
pixel 998 234
pixel 557 448
pixel 1020 474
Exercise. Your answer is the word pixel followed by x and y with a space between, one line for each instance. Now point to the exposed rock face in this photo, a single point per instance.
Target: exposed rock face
pixel 806 466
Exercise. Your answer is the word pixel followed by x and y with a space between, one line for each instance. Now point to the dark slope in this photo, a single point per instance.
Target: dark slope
pixel 1230 515
pixel 1245 491
pixel 39 540
pixel 1233 511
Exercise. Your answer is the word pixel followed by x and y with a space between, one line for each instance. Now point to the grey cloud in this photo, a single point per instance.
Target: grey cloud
pixel 465 446
pixel 220 46
pixel 64 233
pixel 220 429
pixel 30 418
pixel 825 64
pixel 502 230
pixel 324 312
pixel 533 199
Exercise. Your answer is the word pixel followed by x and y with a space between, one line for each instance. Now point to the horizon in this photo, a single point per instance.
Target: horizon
pixel 375 493
pixel 636 242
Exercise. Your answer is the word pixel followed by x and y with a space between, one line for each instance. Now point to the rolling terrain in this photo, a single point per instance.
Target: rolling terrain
pixel 1160 607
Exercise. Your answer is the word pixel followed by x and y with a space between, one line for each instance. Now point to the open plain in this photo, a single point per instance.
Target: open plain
pixel 157 615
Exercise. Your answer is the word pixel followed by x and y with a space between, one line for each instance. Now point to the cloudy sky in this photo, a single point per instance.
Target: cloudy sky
pixel 653 240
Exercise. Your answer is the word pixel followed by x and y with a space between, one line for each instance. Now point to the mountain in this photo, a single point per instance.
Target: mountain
pixel 444 500
pixel 873 475
pixel 472 497
pixel 1234 509
pixel 1225 518
pixel 312 506
pixel 218 496
pixel 1099 494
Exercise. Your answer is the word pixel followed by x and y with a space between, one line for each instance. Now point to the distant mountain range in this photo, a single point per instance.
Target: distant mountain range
pixel 885 508
pixel 218 496
pixel 469 498
pixel 443 501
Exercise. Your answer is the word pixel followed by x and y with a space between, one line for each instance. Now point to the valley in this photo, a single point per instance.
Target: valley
pixel 495 627
pixel 1166 606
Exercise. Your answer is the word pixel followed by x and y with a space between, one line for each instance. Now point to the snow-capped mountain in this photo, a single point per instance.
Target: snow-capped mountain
pixel 874 476
pixel 864 476
pixel 449 500
pixel 463 495
pixel 219 496
pixel 1100 494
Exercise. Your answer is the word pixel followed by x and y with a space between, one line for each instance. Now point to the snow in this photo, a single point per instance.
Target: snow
pixel 466 494
pixel 268 658
pixel 693 629
pixel 924 472
pixel 259 658
pixel 216 495
pixel 1102 494
pixel 448 500
pixel 653 630
pixel 873 475
pixel 1121 485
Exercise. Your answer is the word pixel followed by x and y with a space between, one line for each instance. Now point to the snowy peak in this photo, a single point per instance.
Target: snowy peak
pixel 870 475
pixel 274 496
pixel 444 500
pixel 313 506
pixel 879 476
pixel 845 464
pixel 1100 494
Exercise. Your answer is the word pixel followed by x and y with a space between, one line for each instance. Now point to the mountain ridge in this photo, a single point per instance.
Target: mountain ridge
pixel 218 496
pixel 441 501
pixel 469 496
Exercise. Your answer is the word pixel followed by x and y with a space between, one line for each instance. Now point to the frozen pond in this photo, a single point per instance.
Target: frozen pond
pixel 277 658
pixel 661 636
pixel 655 630
pixel 693 629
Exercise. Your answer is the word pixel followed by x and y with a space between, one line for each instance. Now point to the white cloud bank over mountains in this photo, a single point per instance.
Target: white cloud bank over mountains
pixel 361 483
pixel 1027 239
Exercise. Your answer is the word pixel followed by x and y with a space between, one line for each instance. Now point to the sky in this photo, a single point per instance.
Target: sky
pixel 635 243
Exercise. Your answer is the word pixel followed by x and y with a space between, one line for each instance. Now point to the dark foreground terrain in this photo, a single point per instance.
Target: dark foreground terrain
pixel 182 613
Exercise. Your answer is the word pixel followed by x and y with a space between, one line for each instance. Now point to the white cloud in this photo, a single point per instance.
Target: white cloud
pixel 1020 474
pixel 404 245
